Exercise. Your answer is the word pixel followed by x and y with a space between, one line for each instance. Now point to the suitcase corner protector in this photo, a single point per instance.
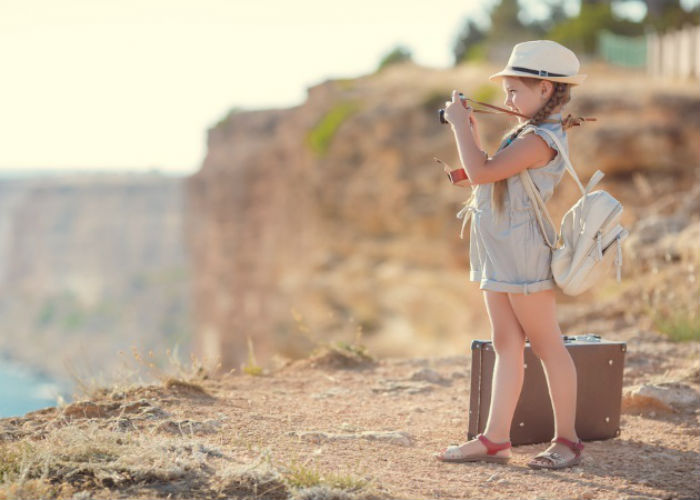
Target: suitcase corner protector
pixel 478 344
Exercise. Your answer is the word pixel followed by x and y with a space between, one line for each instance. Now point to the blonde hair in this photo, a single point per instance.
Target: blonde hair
pixel 560 96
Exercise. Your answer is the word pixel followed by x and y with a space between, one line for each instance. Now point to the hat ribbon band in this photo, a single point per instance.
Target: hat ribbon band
pixel 538 72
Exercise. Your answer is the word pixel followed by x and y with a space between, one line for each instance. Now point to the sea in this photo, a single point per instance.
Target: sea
pixel 23 390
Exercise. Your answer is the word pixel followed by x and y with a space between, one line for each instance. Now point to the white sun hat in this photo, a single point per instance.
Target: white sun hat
pixel 543 59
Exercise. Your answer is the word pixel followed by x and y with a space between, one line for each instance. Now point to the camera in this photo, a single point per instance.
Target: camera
pixel 441 112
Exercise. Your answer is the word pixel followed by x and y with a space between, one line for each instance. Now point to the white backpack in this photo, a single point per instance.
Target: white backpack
pixel 581 253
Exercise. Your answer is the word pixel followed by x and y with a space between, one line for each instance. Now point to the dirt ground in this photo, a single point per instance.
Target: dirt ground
pixel 654 457
pixel 381 421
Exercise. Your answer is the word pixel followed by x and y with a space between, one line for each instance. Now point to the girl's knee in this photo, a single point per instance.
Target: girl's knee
pixel 506 341
pixel 548 348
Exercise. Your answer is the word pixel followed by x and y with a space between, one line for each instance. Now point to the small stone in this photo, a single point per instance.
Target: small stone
pixel 666 397
pixel 428 375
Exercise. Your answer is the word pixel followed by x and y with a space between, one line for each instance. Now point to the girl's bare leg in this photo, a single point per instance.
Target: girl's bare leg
pixel 538 316
pixel 508 342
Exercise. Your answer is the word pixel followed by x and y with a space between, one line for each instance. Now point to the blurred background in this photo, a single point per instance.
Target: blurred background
pixel 236 182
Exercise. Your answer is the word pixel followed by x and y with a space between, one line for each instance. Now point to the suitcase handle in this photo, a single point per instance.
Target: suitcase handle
pixel 588 337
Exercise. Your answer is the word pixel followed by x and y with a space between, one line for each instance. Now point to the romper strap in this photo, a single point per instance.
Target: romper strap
pixel 465 214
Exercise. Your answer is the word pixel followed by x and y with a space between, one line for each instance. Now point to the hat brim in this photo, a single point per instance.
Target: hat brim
pixel 573 80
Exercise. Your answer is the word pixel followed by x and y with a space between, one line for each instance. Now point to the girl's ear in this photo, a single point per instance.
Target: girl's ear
pixel 546 88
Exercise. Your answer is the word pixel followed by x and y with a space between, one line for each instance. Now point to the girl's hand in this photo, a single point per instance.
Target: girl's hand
pixel 455 112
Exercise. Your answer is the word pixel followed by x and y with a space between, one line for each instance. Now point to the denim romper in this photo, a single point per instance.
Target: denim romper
pixel 510 254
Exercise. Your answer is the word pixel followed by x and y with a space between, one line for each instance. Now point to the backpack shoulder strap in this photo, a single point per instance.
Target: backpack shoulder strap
pixel 539 207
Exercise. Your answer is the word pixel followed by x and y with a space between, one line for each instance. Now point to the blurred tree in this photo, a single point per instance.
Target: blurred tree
pixel 506 30
pixel 665 15
pixel 556 15
pixel 504 18
pixel 660 14
pixel 580 33
pixel 399 54
pixel 468 44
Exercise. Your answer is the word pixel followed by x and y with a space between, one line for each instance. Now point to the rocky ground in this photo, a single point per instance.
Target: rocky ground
pixel 340 424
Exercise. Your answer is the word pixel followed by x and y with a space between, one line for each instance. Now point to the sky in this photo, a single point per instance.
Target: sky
pixel 135 84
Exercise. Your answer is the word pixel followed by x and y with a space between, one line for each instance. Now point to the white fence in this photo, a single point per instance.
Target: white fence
pixel 674 54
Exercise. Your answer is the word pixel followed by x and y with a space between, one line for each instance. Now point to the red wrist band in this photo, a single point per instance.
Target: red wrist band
pixel 457 175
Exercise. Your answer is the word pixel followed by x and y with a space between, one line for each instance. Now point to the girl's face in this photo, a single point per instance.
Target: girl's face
pixel 526 98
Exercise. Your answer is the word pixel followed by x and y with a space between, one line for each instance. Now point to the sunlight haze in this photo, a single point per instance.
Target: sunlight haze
pixel 96 84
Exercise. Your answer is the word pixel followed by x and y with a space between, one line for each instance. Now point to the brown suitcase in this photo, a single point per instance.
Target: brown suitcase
pixel 599 368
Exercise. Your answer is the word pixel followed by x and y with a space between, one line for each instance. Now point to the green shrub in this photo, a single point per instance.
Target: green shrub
pixel 398 55
pixel 678 326
pixel 300 476
pixel 475 53
pixel 321 136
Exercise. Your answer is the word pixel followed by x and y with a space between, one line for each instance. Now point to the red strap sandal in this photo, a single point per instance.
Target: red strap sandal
pixel 492 447
pixel 454 453
pixel 576 447
pixel 556 461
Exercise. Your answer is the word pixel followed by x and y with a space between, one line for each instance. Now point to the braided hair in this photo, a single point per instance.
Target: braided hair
pixel 560 96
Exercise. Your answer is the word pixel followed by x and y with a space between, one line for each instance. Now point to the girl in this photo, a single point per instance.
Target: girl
pixel 508 254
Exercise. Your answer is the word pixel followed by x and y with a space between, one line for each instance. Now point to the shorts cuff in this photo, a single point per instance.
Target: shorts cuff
pixel 525 288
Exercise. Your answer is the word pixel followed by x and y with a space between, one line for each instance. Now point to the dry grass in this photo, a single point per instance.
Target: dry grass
pixel 80 460
pixel 74 458
pixel 138 371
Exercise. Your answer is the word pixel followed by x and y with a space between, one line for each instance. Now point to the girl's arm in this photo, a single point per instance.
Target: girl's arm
pixel 475 131
pixel 528 151
pixel 471 155
pixel 523 153
pixel 474 128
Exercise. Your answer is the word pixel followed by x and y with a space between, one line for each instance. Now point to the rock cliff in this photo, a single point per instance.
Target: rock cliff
pixel 330 220
pixel 90 265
